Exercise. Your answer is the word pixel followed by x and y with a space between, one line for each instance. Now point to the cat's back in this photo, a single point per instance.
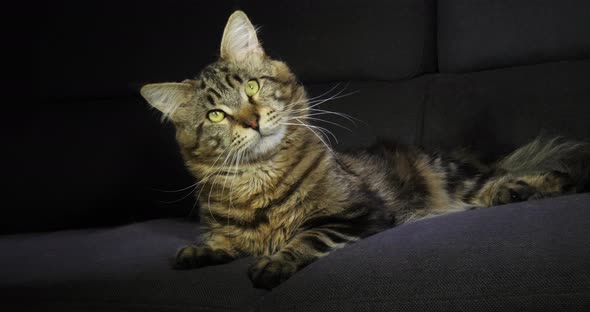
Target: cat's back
pixel 414 183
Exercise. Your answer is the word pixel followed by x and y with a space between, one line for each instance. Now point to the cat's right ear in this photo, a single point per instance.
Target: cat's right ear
pixel 167 97
pixel 239 40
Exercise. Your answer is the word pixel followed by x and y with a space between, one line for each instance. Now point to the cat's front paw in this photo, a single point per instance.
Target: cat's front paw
pixel 192 257
pixel 268 272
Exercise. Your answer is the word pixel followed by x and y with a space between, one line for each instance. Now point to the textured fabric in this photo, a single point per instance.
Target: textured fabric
pixel 108 48
pixel 117 269
pixel 532 256
pixel 524 257
pixel 498 110
pixel 483 34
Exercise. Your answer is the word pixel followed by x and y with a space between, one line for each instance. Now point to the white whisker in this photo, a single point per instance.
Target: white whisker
pixel 318 111
pixel 195 185
pixel 318 128
pixel 322 120
pixel 318 136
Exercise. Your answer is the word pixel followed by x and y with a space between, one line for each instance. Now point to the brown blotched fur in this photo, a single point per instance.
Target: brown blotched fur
pixel 270 187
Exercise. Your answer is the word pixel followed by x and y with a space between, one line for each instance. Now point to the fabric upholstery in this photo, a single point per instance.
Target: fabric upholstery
pixel 117 269
pixel 531 256
pixel 496 111
pixel 485 34
pixel 117 46
pixel 522 257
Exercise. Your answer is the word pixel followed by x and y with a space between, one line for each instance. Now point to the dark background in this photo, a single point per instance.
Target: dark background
pixel 83 149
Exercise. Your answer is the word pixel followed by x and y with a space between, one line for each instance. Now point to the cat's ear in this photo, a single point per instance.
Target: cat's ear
pixel 167 97
pixel 239 40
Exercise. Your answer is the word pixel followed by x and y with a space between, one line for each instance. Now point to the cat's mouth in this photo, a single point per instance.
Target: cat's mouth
pixel 266 142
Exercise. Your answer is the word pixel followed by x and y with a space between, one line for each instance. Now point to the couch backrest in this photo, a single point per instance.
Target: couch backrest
pixel 109 48
pixel 485 34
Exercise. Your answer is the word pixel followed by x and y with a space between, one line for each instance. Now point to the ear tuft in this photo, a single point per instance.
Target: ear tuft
pixel 167 97
pixel 239 39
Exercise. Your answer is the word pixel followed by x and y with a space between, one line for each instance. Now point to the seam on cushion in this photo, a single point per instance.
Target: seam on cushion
pixel 430 34
pixel 420 70
pixel 419 135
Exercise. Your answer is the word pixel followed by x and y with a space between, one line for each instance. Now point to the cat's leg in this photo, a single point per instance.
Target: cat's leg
pixel 304 248
pixel 215 249
pixel 511 188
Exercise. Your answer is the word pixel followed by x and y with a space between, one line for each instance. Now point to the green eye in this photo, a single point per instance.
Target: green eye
pixel 252 87
pixel 216 116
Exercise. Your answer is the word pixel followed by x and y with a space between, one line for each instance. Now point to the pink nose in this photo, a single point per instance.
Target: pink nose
pixel 252 122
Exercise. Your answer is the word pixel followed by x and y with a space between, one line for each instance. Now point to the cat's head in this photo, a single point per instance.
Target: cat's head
pixel 240 104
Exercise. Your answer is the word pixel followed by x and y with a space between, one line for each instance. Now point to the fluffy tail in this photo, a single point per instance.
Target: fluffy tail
pixel 552 154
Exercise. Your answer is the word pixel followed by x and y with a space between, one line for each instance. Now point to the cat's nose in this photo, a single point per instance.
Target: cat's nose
pixel 251 121
pixel 248 117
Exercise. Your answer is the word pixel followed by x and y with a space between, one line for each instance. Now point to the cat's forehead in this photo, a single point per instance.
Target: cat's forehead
pixel 220 70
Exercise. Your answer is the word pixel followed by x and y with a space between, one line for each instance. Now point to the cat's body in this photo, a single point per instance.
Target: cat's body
pixel 269 186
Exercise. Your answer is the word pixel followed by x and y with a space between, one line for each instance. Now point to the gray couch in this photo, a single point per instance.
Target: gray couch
pixel 85 224
pixel 532 256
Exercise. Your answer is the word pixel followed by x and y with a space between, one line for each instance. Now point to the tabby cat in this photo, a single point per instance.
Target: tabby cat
pixel 271 188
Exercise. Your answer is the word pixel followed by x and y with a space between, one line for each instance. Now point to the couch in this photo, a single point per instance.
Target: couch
pixel 92 214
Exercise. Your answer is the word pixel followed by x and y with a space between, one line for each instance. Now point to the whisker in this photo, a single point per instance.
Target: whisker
pixel 214 183
pixel 319 137
pixel 315 97
pixel 321 120
pixel 343 115
pixel 231 164
pixel 175 191
pixel 314 104
pixel 195 185
pixel 321 129
pixel 231 187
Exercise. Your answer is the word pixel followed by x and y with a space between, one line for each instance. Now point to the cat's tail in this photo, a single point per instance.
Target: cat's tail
pixel 548 154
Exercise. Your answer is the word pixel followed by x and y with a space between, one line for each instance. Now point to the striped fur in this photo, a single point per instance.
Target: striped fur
pixel 268 186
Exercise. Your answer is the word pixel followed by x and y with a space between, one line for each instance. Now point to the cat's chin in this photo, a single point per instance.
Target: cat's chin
pixel 267 143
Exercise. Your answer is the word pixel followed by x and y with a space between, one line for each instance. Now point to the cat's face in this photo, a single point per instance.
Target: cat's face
pixel 238 107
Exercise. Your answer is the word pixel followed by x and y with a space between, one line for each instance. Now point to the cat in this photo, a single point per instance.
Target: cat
pixel 271 188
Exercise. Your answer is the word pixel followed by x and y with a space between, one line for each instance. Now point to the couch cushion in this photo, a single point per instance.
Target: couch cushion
pixel 496 111
pixel 532 256
pixel 474 35
pixel 511 258
pixel 111 51
pixel 117 269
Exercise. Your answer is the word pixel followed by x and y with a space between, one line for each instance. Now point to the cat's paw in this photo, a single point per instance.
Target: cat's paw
pixel 192 257
pixel 268 272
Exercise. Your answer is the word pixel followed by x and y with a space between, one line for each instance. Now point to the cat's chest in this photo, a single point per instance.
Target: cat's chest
pixel 264 233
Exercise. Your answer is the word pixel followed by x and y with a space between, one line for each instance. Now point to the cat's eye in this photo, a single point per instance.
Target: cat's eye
pixel 216 116
pixel 252 87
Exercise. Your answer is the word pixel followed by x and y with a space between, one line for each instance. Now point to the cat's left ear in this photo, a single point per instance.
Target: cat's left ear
pixel 167 97
pixel 239 40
